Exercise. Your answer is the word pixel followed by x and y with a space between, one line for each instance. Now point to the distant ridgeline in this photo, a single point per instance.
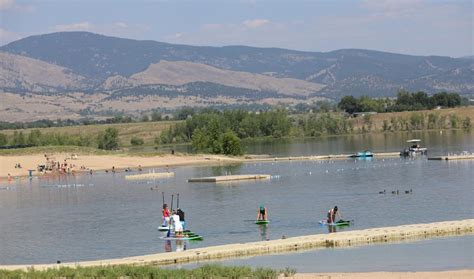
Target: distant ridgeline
pixel 88 62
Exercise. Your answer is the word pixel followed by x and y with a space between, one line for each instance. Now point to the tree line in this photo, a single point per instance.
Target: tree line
pixel 107 139
pixel 221 132
pixel 405 101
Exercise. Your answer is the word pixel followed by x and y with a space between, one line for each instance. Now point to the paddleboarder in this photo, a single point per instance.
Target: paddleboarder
pixel 166 215
pixel 332 213
pixel 262 213
pixel 178 227
pixel 181 217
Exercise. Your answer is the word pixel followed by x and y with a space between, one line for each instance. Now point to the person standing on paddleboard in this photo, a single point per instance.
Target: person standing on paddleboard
pixel 166 215
pixel 262 213
pixel 332 215
pixel 181 218
pixel 178 227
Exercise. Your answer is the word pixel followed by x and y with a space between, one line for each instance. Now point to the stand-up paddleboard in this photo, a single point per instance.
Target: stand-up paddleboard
pixel 194 237
pixel 338 223
pixel 187 235
pixel 262 222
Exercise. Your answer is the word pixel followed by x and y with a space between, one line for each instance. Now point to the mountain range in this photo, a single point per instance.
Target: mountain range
pixel 134 76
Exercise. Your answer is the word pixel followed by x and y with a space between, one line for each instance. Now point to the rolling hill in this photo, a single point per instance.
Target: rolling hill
pixel 122 71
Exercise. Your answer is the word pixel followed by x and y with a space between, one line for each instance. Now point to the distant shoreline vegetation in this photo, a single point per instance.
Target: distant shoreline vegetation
pixel 221 132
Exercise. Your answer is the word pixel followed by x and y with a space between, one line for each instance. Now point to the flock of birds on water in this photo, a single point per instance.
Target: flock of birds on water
pixel 396 192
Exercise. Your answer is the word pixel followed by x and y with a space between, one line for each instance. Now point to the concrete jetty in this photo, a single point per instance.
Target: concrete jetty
pixel 149 175
pixel 225 178
pixel 453 157
pixel 318 241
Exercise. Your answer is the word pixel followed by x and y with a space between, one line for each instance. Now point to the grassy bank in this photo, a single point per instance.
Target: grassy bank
pixel 441 119
pixel 144 130
pixel 126 271
pixel 300 126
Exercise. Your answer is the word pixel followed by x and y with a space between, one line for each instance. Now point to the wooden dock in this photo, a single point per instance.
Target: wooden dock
pixel 291 244
pixel 149 175
pixel 225 178
pixel 453 157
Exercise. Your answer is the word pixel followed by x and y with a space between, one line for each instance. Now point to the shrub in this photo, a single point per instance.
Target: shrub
pixel 136 141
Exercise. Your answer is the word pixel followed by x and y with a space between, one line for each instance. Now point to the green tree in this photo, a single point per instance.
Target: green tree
pixel 348 104
pixel 108 140
pixel 453 119
pixel 34 138
pixel 231 144
pixel 155 116
pixel 466 123
pixel 136 141
pixel 3 140
pixel 200 140
pixel 385 126
pixel 18 138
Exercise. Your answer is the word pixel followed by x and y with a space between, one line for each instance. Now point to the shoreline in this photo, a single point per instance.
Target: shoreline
pixel 299 243
pixel 459 274
pixel 122 162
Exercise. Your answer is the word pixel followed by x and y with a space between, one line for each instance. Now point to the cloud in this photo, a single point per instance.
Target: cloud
pixel 255 23
pixel 80 26
pixel 121 24
pixel 13 6
pixel 6 4
pixel 393 8
pixel 119 29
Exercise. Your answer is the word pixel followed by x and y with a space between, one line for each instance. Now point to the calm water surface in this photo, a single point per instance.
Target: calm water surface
pixel 104 216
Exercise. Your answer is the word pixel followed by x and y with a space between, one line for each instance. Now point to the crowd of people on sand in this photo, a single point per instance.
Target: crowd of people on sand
pixel 57 167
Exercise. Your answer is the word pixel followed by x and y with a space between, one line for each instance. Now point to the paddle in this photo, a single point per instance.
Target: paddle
pixel 169 223
pixel 172 199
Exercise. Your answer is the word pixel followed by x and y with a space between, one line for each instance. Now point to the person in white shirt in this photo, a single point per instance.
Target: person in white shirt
pixel 178 227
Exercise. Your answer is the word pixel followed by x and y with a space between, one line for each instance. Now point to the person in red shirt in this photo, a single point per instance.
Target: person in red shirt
pixel 166 215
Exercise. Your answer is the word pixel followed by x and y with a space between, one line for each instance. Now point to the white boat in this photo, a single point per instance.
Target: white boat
pixel 414 149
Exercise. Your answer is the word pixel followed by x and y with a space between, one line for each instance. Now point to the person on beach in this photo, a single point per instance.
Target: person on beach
pixel 178 227
pixel 262 213
pixel 166 215
pixel 332 213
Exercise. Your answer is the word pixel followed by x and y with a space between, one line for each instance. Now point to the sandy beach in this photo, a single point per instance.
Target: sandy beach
pixel 102 162
pixel 458 274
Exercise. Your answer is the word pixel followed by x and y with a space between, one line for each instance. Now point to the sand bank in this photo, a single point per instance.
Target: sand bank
pixel 103 162
pixel 123 161
pixel 451 274
pixel 318 241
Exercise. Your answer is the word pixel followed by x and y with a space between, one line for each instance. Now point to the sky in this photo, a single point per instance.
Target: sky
pixel 418 27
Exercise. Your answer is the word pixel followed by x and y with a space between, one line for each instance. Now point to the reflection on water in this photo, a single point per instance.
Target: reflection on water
pixel 85 217
pixel 263 232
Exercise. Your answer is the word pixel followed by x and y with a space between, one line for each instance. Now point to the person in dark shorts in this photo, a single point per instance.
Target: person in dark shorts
pixel 332 213
pixel 262 213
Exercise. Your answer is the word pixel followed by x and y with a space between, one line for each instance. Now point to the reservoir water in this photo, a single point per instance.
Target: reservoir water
pixel 99 216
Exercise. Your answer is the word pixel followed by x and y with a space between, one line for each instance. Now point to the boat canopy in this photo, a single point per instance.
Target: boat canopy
pixel 414 140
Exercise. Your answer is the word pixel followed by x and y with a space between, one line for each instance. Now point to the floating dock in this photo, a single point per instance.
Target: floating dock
pixel 453 157
pixel 149 175
pixel 225 178
pixel 292 244
pixel 316 157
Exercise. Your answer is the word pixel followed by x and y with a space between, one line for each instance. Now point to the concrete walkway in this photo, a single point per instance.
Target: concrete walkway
pixel 340 239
